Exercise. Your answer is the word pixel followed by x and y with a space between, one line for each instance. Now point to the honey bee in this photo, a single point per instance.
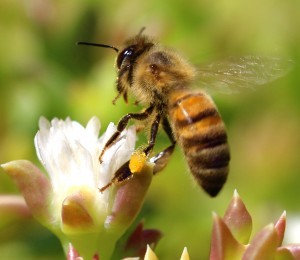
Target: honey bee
pixel 161 79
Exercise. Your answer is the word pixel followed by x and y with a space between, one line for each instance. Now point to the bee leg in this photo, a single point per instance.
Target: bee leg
pixel 168 130
pixel 116 98
pixel 120 90
pixel 121 175
pixel 122 124
pixel 161 159
pixel 153 133
pixel 125 97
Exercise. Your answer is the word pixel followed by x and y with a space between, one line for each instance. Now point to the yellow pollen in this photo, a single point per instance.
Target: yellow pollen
pixel 137 161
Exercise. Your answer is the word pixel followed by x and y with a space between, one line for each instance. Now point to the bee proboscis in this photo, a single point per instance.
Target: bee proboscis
pixel 161 79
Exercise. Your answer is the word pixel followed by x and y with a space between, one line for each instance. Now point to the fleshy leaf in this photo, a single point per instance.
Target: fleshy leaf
pixel 263 245
pixel 238 219
pixel 12 208
pixel 223 245
pixel 283 253
pixel 294 249
pixel 185 255
pixel 150 255
pixel 128 199
pixel 34 186
pixel 73 254
pixel 280 228
pixel 136 243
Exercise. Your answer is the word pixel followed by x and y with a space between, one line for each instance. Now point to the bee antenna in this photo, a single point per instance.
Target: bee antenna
pixel 141 30
pixel 98 45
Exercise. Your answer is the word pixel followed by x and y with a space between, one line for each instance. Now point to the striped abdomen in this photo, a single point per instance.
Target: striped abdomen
pixel 200 131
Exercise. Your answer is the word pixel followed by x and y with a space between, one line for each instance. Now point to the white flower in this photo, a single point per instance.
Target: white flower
pixel 70 154
pixel 69 202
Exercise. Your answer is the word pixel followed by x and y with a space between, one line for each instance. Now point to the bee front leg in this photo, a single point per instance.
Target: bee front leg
pixel 121 126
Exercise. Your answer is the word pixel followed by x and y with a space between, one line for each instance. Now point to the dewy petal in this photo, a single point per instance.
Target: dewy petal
pixel 263 245
pixel 238 219
pixel 280 227
pixel 34 186
pixel 223 245
pixel 12 208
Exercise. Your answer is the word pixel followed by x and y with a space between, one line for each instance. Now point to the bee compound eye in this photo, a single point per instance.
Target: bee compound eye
pixel 125 54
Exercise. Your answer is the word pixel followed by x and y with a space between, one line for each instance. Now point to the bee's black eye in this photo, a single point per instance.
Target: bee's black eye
pixel 125 54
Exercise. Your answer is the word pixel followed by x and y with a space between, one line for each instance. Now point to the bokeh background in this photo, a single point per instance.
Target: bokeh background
pixel 43 72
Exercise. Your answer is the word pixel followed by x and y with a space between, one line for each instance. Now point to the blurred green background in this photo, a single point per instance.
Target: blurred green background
pixel 43 72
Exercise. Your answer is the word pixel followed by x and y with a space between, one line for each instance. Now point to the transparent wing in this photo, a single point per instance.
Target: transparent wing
pixel 233 74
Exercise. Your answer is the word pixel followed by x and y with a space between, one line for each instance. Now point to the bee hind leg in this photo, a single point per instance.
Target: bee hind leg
pixel 161 159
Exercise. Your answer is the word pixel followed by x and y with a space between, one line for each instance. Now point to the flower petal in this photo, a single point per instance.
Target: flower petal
pixel 238 219
pixel 117 154
pixel 34 186
pixel 263 245
pixel 68 151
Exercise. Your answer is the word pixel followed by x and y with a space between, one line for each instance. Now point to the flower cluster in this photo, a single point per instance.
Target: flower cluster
pixel 231 235
pixel 231 238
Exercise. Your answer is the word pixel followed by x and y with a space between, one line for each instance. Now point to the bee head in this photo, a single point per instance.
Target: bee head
pixel 126 59
pixel 132 49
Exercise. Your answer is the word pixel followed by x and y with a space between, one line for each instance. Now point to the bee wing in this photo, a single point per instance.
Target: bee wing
pixel 236 73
